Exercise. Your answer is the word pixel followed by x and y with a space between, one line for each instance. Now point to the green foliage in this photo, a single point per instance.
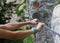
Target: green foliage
pixel 29 39
pixel 8 8
pixel 58 1
pixel 5 9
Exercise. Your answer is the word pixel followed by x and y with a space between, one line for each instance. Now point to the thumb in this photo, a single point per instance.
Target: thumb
pixel 40 25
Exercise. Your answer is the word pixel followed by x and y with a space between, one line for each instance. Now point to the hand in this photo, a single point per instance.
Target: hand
pixel 34 21
pixel 39 26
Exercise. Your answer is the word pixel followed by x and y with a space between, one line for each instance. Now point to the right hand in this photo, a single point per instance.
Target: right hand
pixel 34 21
pixel 39 26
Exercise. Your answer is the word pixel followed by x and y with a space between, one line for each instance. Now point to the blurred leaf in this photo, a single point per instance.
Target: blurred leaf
pixel 58 1
pixel 5 8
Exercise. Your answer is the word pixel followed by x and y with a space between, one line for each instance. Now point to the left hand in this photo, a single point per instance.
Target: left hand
pixel 40 25
pixel 34 21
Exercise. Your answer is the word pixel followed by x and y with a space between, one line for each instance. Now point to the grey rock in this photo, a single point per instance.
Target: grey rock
pixel 44 14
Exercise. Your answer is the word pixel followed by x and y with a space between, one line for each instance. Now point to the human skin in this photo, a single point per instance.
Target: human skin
pixel 19 34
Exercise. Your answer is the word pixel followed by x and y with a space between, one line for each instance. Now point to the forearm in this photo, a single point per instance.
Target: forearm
pixel 23 34
pixel 6 34
pixel 13 26
pixel 13 35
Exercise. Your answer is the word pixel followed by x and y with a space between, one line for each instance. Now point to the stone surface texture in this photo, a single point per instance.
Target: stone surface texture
pixel 44 14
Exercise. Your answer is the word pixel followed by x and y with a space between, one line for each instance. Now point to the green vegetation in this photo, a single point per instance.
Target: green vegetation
pixel 58 1
pixel 12 8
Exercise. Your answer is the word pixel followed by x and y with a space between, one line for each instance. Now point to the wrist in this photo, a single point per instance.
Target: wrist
pixel 34 29
pixel 29 22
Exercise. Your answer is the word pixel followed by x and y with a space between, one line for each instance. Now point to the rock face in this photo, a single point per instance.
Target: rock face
pixel 44 13
pixel 55 23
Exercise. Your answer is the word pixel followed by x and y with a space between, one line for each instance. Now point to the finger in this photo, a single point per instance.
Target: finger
pixel 36 20
pixel 41 24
